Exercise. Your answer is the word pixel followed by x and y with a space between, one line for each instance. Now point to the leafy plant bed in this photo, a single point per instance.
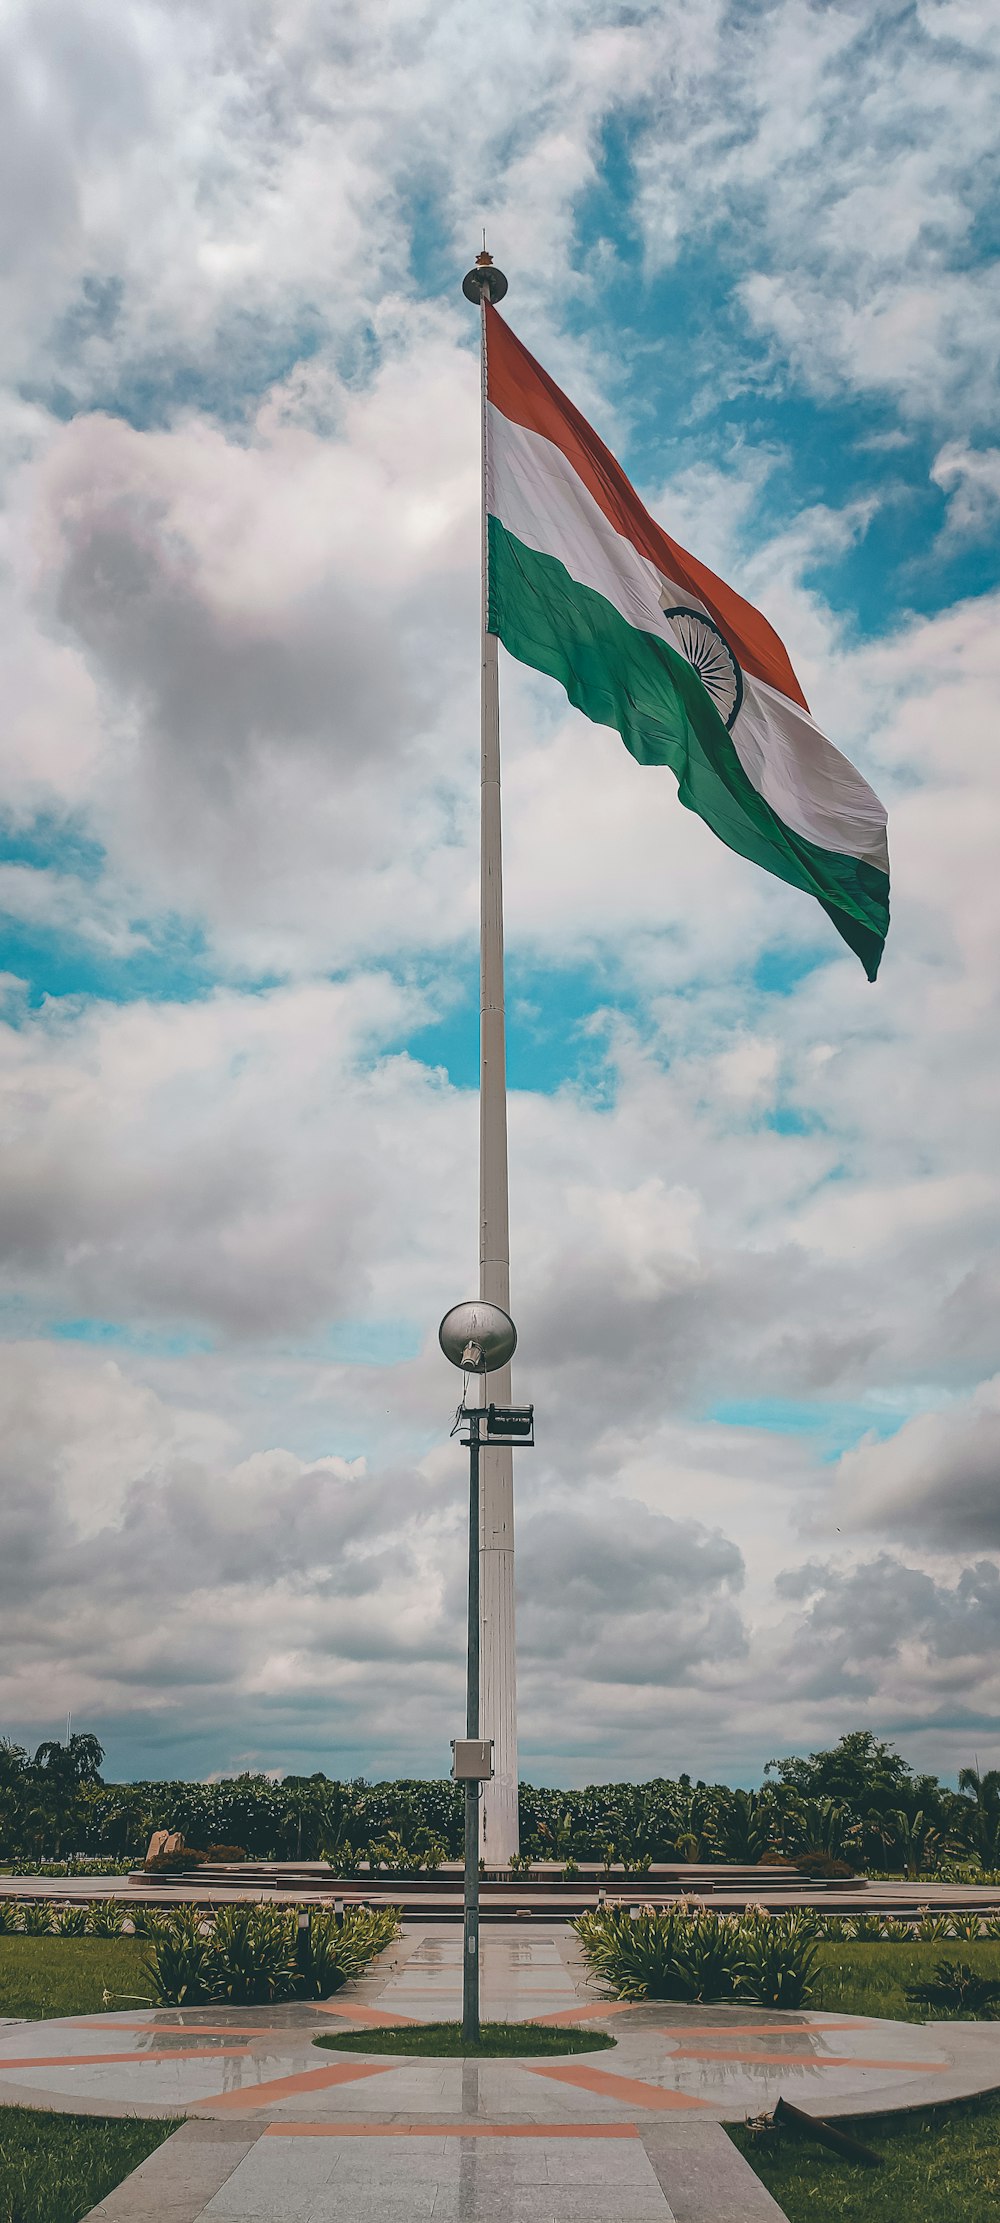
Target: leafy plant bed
pixel 250 1955
pixel 42 1976
pixel 55 2168
pixel 939 2165
pixel 856 1979
pixel 699 1955
pixel 786 1961
pixel 444 2041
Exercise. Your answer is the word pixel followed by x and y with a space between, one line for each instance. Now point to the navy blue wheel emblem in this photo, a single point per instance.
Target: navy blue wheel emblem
pixel 700 641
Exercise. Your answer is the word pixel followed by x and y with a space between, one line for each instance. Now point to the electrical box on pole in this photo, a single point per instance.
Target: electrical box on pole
pixel 472 1759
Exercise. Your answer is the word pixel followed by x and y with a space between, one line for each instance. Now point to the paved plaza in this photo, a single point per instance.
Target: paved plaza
pixel 280 2132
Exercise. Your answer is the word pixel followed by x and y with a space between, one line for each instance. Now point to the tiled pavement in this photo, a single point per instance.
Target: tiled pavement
pixel 281 2133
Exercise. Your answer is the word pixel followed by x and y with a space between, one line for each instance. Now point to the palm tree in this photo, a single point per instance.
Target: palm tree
pixel 915 1837
pixel 744 1826
pixel 980 1827
pixel 692 1825
pixel 823 1825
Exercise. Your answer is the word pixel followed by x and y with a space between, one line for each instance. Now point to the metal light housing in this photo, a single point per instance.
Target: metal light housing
pixel 484 278
pixel 478 1337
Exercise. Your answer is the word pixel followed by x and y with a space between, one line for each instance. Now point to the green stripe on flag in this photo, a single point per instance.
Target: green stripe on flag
pixel 635 682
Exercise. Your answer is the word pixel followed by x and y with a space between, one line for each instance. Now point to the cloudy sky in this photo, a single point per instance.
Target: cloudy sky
pixel 755 1203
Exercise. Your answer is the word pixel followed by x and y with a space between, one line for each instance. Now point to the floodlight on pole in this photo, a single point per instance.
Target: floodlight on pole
pixel 479 1339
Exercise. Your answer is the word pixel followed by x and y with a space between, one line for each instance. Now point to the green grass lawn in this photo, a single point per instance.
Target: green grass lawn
pixel 55 2168
pixel 41 1976
pixel 853 1979
pixel 940 2165
pixel 443 2040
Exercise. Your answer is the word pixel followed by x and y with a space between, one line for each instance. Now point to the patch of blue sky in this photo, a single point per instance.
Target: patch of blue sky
pixel 606 234
pixel 831 1427
pixel 121 1335
pixel 424 218
pixel 788 1119
pixel 47 842
pixel 359 1342
pixel 696 384
pixel 779 970
pixel 373 1342
pixel 169 966
pixel 553 1040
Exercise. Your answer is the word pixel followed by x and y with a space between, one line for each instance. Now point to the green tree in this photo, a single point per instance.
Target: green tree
pixel 979 1825
pixel 744 1824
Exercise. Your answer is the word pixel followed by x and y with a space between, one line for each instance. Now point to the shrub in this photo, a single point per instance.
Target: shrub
pixel 148 1921
pixel 932 1928
pixel 341 1854
pixel 957 1989
pixel 225 1855
pixel 252 1955
pixel 365 1932
pixel 105 1917
pixel 966 1925
pixel 711 1956
pixel 71 1921
pixel 818 1865
pixel 324 1971
pixel 519 1864
pixel 991 1925
pixel 174 1863
pixel 400 1859
pixel 679 1954
pixel 36 1917
pixel 896 1931
pixel 178 1964
pixel 640 1958
pixel 778 1957
pixel 571 1869
pixel 866 1928
pixel 8 1917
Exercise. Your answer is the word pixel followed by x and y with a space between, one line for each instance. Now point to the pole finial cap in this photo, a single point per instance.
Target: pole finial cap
pixel 484 279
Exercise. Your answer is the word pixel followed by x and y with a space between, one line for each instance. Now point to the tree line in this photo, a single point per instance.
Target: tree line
pixel 858 1802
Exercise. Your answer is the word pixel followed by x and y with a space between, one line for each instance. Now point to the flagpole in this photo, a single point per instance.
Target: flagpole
pixel 498 1665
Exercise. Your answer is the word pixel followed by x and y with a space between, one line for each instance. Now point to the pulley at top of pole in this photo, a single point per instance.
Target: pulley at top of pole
pixel 484 279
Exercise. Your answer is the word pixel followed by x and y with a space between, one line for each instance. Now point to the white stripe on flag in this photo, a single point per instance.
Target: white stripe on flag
pixel 536 494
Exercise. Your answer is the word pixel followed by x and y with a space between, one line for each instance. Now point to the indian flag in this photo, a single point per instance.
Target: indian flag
pixel 584 585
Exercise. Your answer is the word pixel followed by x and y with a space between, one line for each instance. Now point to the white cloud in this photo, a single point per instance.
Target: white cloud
pixel 241 678
pixel 937 1481
pixel 852 157
pixel 971 479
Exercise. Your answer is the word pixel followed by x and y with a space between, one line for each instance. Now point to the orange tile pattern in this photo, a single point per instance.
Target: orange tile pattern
pixel 630 2091
pixel 286 2087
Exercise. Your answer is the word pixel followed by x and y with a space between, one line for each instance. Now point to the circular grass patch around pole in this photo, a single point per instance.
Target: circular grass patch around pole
pixel 444 2040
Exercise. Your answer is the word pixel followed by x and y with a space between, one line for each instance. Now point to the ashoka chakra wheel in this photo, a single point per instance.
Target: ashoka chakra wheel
pixel 700 641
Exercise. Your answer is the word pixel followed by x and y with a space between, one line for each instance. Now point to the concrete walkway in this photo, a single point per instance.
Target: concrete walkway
pixel 279 2132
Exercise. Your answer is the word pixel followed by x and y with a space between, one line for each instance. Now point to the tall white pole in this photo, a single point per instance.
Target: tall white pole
pixel 498 1661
